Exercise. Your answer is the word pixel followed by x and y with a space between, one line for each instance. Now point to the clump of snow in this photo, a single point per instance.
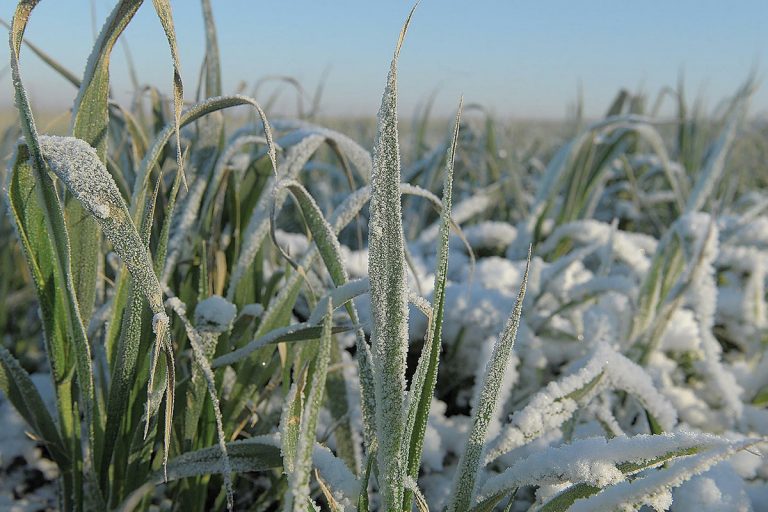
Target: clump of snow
pixel 292 243
pixel 214 314
pixel 487 236
pixel 254 309
pixel 717 489
pixel 356 262
pixel 682 333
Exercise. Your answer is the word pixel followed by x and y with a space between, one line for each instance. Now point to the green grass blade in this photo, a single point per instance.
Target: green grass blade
pixel 337 400
pixel 290 423
pixel 33 217
pixel 129 333
pixel 245 456
pixel 413 489
pixel 465 482
pixel 425 378
pixel 164 12
pixel 328 246
pixel 300 477
pixel 78 166
pixel 90 122
pixel 389 294
pixel 258 224
pixel 85 176
pixel 294 332
pixel 152 158
pixel 124 372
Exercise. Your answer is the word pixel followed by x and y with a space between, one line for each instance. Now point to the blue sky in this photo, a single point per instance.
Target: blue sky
pixel 525 59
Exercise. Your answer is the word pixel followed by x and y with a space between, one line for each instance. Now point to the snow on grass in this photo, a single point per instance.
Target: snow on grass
pixel 215 314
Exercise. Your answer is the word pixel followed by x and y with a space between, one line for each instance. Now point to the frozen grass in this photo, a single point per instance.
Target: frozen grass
pixel 537 321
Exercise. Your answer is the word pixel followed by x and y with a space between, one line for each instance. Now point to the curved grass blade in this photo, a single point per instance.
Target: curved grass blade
pixel 341 217
pixel 328 246
pixel 78 166
pixel 47 252
pixel 598 462
pixel 190 211
pixel 357 155
pixel 41 231
pixel 195 112
pixel 258 224
pixel 164 12
pixel 90 122
pixel 124 369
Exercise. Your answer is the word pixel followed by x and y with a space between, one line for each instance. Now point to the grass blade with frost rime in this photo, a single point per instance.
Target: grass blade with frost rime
pixel 333 505
pixel 201 360
pixel 188 116
pixel 389 293
pixel 425 378
pixel 90 122
pixel 165 13
pixel 715 163
pixel 77 164
pixel 341 217
pixel 258 224
pixel 465 481
pixel 357 155
pixel 124 371
pixel 559 400
pixel 290 423
pixel 298 488
pixel 244 456
pixel 596 462
pixel 413 488
pixel 130 300
pixel 654 488
pixel 328 246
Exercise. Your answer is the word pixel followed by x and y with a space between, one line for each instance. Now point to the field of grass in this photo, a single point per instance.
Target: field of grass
pixel 204 307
